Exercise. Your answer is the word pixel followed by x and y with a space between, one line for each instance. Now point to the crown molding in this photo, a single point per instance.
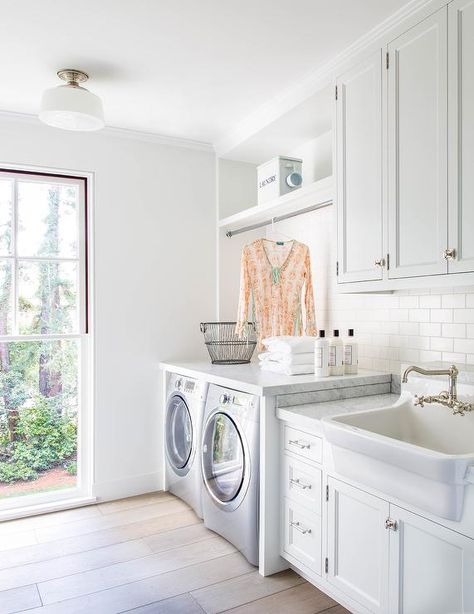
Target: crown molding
pixel 122 133
pixel 317 79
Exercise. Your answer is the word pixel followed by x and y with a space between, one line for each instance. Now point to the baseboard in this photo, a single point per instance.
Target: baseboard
pixel 128 487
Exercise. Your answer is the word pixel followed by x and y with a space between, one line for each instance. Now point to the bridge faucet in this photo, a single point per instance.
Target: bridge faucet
pixel 448 398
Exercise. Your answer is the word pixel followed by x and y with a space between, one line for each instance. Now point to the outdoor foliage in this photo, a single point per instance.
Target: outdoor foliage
pixel 38 379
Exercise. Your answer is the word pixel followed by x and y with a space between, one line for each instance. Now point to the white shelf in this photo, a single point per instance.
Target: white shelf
pixel 319 193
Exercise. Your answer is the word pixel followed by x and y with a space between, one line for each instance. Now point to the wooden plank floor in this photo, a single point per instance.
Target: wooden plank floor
pixel 146 554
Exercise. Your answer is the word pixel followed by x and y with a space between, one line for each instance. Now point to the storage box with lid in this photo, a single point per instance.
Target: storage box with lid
pixel 277 177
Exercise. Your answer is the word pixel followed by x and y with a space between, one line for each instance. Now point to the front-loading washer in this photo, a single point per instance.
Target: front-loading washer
pixel 230 468
pixel 185 401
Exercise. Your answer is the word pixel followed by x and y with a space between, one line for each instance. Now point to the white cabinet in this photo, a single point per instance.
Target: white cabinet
pixel 404 153
pixel 358 544
pixel 417 149
pixel 461 134
pixel 302 536
pixel 431 567
pixel 359 171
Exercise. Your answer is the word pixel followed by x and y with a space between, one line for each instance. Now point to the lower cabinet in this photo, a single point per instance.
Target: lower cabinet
pixel 383 558
pixel 431 567
pixel 302 536
pixel 358 545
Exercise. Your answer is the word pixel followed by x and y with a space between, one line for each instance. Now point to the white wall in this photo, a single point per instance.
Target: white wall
pixel 154 278
pixel 237 191
pixel 317 157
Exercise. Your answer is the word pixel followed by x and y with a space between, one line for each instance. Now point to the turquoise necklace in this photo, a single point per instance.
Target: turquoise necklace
pixel 277 270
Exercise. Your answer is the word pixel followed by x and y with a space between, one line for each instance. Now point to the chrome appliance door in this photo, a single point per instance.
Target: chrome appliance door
pixel 224 461
pixel 179 434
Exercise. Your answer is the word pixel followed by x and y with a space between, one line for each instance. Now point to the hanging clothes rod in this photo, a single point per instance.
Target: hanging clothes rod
pixel 277 218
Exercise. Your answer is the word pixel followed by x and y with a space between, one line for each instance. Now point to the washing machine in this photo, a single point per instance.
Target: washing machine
pixel 230 468
pixel 186 398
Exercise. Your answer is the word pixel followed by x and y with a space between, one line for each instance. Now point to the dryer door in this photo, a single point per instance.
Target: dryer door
pixel 225 463
pixel 179 434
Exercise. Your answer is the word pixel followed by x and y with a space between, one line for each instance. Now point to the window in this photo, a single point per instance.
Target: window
pixel 43 334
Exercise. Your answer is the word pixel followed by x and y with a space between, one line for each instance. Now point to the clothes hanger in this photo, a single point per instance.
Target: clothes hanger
pixel 274 232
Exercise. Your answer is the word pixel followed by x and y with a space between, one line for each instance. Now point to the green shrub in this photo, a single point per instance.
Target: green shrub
pixel 11 472
pixel 45 439
pixel 71 468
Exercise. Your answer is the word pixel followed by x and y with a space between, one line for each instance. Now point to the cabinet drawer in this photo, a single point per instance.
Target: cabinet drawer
pixel 304 444
pixel 301 483
pixel 302 535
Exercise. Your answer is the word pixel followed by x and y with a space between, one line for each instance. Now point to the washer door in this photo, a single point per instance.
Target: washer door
pixel 224 461
pixel 179 434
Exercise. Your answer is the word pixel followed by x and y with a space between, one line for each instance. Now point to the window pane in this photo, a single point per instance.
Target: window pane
pixel 6 296
pixel 6 217
pixel 47 297
pixel 47 219
pixel 38 416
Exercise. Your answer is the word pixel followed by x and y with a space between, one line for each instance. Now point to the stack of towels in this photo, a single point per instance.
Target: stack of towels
pixel 288 355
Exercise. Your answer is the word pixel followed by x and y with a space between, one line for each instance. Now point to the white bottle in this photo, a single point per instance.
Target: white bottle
pixel 321 355
pixel 336 351
pixel 351 353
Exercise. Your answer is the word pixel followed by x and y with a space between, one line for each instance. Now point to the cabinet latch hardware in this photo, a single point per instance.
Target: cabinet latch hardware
pixel 391 524
pixel 388 262
pixel 387 60
pixel 380 263
pixel 326 565
pixel 327 492
pixel 337 268
pixel 336 92
pixel 299 444
pixel 449 254
pixel 298 527
pixel 302 485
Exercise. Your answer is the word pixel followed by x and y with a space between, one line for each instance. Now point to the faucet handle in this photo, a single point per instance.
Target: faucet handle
pixel 419 400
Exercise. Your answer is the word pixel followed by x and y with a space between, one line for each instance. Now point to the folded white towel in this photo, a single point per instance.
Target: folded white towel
pixel 276 367
pixel 290 345
pixel 287 359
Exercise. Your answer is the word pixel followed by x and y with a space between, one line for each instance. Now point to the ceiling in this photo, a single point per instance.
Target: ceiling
pixel 182 68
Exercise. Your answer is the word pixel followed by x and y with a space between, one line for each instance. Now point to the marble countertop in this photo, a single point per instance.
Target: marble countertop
pixel 309 416
pixel 250 378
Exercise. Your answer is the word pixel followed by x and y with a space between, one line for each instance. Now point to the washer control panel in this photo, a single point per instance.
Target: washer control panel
pixel 229 399
pixel 187 385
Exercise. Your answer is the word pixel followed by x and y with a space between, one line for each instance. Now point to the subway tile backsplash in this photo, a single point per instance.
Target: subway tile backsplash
pixel 406 327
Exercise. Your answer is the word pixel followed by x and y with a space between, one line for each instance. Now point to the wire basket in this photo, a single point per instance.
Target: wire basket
pixel 225 347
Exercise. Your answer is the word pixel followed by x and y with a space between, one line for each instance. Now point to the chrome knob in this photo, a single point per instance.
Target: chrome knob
pixel 449 254
pixel 178 383
pixel 380 262
pixel 225 399
pixel 391 525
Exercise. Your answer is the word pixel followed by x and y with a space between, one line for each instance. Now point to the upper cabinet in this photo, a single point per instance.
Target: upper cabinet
pixel 417 156
pixel 359 171
pixel 404 158
pixel 461 135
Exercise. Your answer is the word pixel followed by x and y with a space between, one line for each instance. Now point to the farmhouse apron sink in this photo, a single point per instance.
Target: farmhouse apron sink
pixel 421 455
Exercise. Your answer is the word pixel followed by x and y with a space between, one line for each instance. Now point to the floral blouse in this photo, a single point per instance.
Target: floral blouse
pixel 276 281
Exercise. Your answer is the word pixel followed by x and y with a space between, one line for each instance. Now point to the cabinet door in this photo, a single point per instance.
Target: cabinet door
pixel 431 567
pixel 461 134
pixel 417 149
pixel 359 171
pixel 358 545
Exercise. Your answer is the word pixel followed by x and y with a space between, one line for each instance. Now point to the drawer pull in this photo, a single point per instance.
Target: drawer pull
pixel 298 527
pixel 296 482
pixel 299 444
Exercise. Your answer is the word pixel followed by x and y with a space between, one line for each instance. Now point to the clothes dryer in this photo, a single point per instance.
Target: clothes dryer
pixel 230 468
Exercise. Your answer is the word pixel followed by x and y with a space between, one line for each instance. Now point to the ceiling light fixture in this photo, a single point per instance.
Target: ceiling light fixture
pixel 70 106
